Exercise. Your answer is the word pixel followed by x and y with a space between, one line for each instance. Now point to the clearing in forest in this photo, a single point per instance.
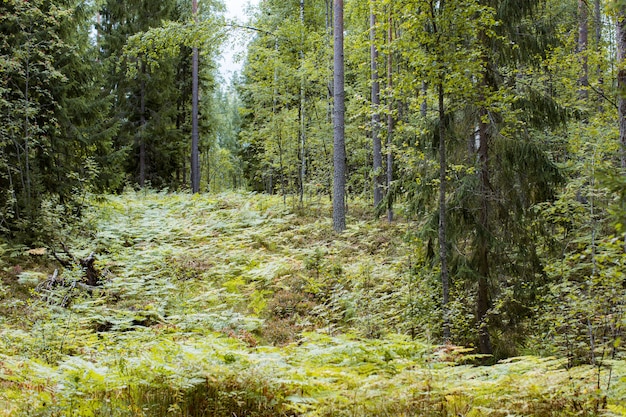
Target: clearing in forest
pixel 236 304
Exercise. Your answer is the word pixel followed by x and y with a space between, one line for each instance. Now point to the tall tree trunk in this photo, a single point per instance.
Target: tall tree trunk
pixel 278 133
pixel 483 231
pixel 621 81
pixel 26 179
pixel 377 145
pixel 390 120
pixel 597 17
pixel 443 248
pixel 483 246
pixel 302 110
pixel 583 42
pixel 282 168
pixel 98 26
pixel 339 154
pixel 142 126
pixel 195 135
pixel 329 21
pixel 329 33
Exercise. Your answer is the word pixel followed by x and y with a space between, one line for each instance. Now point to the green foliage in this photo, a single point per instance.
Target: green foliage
pixel 55 137
pixel 146 55
pixel 287 59
pixel 581 309
pixel 197 287
pixel 236 304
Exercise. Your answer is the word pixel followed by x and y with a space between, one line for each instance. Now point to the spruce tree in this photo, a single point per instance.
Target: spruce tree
pixel 146 104
pixel 55 138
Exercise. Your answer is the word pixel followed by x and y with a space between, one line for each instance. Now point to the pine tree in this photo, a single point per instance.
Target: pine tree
pixel 339 156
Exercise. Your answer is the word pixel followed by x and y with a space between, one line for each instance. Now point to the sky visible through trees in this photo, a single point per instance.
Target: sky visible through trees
pixel 230 62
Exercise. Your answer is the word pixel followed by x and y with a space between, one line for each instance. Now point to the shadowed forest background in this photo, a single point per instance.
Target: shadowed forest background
pixel 173 243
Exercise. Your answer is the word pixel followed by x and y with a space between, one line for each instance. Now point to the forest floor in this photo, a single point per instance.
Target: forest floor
pixel 240 305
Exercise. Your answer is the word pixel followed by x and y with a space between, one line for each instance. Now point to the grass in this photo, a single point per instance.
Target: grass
pixel 234 304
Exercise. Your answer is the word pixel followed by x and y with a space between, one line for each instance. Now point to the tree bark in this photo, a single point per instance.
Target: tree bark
pixel 339 154
pixel 376 142
pixel 142 126
pixel 443 248
pixel 390 120
pixel 583 42
pixel 621 82
pixel 195 135
pixel 329 33
pixel 483 246
pixel 26 183
pixel 597 17
pixel 302 111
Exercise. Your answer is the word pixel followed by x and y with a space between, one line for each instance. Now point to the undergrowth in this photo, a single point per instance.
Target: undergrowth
pixel 238 305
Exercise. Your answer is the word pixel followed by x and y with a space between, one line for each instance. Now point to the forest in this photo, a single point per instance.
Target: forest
pixel 395 208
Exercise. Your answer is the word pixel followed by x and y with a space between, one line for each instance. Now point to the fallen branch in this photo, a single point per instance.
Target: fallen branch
pixel 91 274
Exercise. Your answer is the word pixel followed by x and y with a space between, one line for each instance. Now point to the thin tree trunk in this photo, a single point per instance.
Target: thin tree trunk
pixel 443 249
pixel 331 93
pixel 179 127
pixel 597 17
pixel 424 105
pixel 26 180
pixel 302 111
pixel 390 120
pixel 583 42
pixel 278 133
pixel 483 246
pixel 621 82
pixel 339 154
pixel 329 33
pixel 282 169
pixel 98 26
pixel 376 142
pixel 142 127
pixel 195 135
pixel 207 163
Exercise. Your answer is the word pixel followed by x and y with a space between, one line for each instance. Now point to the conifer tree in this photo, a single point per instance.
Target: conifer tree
pixel 55 138
pixel 485 197
pixel 147 103
pixel 339 156
pixel 540 174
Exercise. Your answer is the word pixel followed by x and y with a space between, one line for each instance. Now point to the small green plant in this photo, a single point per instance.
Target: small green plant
pixel 196 317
